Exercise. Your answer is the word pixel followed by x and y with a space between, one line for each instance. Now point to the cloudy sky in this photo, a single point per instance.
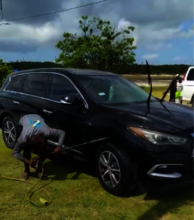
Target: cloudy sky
pixel 164 29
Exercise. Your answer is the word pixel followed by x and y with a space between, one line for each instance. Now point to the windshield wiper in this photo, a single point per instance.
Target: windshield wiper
pixel 150 83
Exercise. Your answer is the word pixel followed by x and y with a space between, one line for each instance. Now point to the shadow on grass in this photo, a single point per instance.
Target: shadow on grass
pixel 61 166
pixel 168 202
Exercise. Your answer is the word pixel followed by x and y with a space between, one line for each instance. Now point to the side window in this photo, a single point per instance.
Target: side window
pixel 16 83
pixel 60 87
pixel 190 76
pixel 36 84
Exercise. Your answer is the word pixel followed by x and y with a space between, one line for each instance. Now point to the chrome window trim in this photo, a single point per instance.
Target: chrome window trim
pixel 21 93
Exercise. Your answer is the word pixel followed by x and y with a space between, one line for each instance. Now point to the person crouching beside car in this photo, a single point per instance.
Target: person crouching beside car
pixel 34 135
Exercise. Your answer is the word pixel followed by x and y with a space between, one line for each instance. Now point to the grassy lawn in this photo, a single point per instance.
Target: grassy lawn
pixel 77 194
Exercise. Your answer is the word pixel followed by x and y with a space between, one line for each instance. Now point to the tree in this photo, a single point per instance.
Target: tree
pixel 100 46
pixel 4 71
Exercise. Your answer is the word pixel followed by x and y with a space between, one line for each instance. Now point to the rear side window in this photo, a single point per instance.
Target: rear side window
pixel 16 83
pixel 36 84
pixel 190 76
pixel 60 87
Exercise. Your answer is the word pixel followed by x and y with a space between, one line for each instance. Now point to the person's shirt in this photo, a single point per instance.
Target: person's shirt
pixel 32 125
pixel 173 85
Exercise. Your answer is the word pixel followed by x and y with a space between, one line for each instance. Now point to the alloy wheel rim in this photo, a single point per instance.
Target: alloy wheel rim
pixel 109 169
pixel 9 132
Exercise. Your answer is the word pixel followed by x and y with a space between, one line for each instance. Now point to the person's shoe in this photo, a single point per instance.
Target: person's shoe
pixel 42 175
pixel 25 175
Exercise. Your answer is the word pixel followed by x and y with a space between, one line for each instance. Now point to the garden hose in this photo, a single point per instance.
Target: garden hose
pixel 42 202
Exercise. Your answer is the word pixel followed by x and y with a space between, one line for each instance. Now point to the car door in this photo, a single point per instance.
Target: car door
pixel 34 92
pixel 188 85
pixel 70 118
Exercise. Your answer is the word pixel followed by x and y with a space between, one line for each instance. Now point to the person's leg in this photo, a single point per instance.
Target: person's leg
pixel 170 100
pixel 41 155
pixel 172 95
pixel 27 155
pixel 38 144
pixel 181 100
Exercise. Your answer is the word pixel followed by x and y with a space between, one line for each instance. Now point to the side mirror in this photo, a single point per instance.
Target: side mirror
pixel 72 99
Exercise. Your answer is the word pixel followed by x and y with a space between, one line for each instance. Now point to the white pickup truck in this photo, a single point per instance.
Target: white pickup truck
pixel 188 86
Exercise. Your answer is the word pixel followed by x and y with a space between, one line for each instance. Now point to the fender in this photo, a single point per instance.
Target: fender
pixel 192 98
pixel 4 113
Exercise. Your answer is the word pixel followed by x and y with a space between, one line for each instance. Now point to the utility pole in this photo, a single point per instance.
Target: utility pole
pixel 1 9
pixel 1 14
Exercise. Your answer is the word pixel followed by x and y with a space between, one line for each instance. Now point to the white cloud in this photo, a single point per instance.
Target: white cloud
pixel 188 34
pixel 22 32
pixel 155 22
pixel 178 58
pixel 156 35
pixel 150 56
pixel 159 45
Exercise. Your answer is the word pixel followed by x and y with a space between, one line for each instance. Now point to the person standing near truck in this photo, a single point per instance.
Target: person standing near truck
pixel 178 94
pixel 173 88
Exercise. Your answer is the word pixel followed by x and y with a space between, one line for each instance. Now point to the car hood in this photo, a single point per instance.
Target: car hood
pixel 163 116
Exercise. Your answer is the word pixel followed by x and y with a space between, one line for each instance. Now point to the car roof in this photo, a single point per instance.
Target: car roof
pixel 68 71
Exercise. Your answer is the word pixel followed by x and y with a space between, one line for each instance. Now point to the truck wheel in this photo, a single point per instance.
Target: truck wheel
pixel 9 132
pixel 117 173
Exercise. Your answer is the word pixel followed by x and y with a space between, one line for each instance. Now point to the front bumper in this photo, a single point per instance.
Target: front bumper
pixel 162 177
pixel 166 171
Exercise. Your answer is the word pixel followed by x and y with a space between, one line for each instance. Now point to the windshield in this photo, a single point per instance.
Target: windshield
pixel 112 90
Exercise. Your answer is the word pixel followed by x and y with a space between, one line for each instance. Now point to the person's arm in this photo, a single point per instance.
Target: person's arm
pixel 17 150
pixel 60 134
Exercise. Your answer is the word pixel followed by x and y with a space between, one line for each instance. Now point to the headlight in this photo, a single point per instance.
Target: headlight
pixel 158 138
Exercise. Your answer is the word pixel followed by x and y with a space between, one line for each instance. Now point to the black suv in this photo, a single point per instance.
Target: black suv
pixel 107 122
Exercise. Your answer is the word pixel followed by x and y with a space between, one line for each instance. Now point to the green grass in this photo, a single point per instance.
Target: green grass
pixel 77 195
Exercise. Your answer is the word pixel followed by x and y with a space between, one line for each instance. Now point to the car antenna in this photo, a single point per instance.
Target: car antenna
pixel 178 75
pixel 150 83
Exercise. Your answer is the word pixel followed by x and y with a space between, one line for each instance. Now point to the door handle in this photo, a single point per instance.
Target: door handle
pixel 15 102
pixel 46 111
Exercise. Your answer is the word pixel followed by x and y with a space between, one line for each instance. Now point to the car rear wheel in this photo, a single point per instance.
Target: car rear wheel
pixel 9 132
pixel 117 173
pixel 192 102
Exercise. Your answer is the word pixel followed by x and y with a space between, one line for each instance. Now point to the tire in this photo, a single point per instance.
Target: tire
pixel 192 102
pixel 9 125
pixel 127 180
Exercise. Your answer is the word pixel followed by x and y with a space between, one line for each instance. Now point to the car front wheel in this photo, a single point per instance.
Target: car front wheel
pixel 117 173
pixel 9 132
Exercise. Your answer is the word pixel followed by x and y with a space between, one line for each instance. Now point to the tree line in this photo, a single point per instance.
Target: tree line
pixel 131 69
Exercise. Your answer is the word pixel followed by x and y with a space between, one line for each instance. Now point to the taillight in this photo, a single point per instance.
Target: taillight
pixel 184 76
